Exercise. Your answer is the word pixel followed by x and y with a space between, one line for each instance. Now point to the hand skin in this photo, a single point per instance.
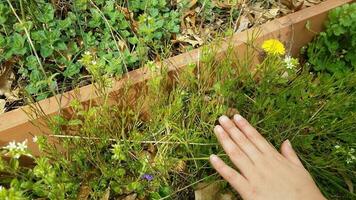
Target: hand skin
pixel 264 173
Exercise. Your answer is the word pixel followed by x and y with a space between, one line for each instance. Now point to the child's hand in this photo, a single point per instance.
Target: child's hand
pixel 263 172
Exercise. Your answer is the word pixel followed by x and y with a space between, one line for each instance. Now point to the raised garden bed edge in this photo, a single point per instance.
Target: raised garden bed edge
pixel 291 30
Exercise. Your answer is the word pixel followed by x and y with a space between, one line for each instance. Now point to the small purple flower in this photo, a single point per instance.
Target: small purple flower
pixel 148 177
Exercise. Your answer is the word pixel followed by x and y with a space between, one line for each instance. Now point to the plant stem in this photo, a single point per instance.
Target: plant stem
pixel 35 52
pixel 133 141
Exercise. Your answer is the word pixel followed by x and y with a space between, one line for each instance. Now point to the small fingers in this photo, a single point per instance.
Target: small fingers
pixel 239 138
pixel 236 180
pixel 236 155
pixel 252 134
pixel 288 152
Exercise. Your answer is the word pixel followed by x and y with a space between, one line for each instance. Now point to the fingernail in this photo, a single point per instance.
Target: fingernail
pixel 218 129
pixel 288 143
pixel 224 119
pixel 237 117
pixel 213 158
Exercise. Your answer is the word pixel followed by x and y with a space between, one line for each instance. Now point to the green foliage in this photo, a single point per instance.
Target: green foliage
pixel 123 35
pixel 334 50
pixel 61 37
pixel 146 147
pixel 160 142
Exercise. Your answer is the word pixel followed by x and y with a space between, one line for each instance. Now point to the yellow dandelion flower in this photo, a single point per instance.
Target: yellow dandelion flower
pixel 274 47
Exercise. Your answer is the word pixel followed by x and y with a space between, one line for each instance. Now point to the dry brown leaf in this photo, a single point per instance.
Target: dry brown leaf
pixel 129 15
pixel 348 182
pixel 212 191
pixel 189 40
pixel 271 13
pixel 130 197
pixel 288 3
pixel 106 196
pixel 293 5
pixel 186 24
pixel 122 45
pixel 231 112
pixel 309 3
pixel 2 105
pixel 226 196
pixel 180 166
pixel 255 14
pixel 188 21
pixel 243 24
pixel 285 10
pixel 298 5
pixel 5 85
pixel 226 4
pixel 207 191
pixel 84 192
pixel 314 1
pixel 7 77
pixel 191 3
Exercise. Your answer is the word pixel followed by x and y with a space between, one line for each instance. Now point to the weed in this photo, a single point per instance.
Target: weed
pixel 158 146
pixel 334 49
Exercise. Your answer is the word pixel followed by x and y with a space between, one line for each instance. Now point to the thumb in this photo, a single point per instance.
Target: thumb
pixel 289 153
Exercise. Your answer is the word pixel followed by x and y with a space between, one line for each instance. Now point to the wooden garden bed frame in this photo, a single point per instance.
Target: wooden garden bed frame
pixel 292 30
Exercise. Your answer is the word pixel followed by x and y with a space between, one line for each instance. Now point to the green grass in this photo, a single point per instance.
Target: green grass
pixel 42 41
pixel 167 132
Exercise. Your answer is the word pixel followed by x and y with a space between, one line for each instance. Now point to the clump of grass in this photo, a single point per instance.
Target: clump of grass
pixel 156 145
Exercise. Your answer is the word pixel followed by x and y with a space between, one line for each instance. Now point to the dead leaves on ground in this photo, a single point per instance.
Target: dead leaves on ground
pixel 195 31
pixel 7 78
pixel 212 191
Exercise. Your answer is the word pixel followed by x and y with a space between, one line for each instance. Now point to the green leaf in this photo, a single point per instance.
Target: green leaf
pixel 75 122
pixel 125 33
pixel 80 4
pixel 19 27
pixel 32 63
pixel 338 30
pixel 165 191
pixel 96 19
pixel 64 24
pixel 2 40
pixel 4 13
pixel 18 44
pixel 71 70
pixel 36 76
pixel 14 164
pixel 46 51
pixel 47 13
pixel 38 36
pixel 61 46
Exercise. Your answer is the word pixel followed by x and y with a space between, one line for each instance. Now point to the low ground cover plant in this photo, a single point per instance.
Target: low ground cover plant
pixel 157 147
pixel 334 50
pixel 42 41
pixel 155 144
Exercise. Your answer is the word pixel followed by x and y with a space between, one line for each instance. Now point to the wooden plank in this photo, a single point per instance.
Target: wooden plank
pixel 291 29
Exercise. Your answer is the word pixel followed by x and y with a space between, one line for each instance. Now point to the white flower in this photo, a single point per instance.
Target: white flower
pixel 87 53
pixel 22 146
pixel 1 188
pixel 34 139
pixel 349 161
pixel 337 146
pixel 11 146
pixel 289 62
pixel 93 62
